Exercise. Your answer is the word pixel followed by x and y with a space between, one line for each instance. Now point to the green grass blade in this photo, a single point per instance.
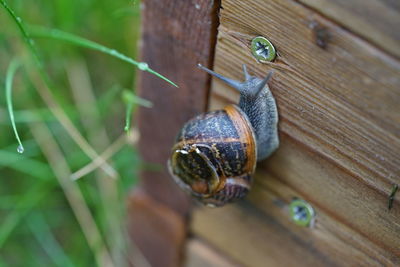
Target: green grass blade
pixel 130 100
pixel 130 97
pixel 104 102
pixel 28 40
pixel 31 167
pixel 9 79
pixel 77 40
pixel 25 116
pixel 42 232
pixel 25 204
pixel 128 115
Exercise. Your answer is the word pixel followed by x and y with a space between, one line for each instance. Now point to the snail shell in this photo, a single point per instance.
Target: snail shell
pixel 215 156
pixel 215 153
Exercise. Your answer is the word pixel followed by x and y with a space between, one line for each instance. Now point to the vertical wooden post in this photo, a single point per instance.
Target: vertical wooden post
pixel 176 35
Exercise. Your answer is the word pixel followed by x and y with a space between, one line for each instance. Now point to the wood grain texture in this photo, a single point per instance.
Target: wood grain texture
pixel 200 254
pixel 375 20
pixel 254 238
pixel 176 35
pixel 158 231
pixel 339 108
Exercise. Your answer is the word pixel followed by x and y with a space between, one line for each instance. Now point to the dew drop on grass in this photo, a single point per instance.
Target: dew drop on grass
pixel 113 52
pixel 20 149
pixel 143 66
pixel 18 19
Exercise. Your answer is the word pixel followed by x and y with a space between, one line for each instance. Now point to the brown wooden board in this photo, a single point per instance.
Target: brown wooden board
pixel 158 231
pixel 254 238
pixel 262 231
pixel 201 254
pixel 176 35
pixel 377 21
pixel 339 109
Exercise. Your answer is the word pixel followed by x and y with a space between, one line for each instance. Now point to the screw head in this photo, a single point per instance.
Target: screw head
pixel 301 212
pixel 262 49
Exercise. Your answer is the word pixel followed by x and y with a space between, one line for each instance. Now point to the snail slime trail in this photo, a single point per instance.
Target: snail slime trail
pixel 215 153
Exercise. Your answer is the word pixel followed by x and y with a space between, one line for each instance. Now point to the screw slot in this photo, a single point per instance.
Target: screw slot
pixel 262 49
pixel 302 213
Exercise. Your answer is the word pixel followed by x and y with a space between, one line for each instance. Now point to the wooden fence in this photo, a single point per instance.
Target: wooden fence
pixel 337 86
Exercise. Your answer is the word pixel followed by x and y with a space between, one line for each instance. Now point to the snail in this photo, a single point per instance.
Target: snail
pixel 215 153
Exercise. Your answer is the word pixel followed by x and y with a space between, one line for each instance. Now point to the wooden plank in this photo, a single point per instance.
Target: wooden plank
pixel 375 20
pixel 352 223
pixel 334 109
pixel 340 141
pixel 200 254
pixel 266 236
pixel 158 231
pixel 352 204
pixel 367 237
pixel 176 35
pixel 254 238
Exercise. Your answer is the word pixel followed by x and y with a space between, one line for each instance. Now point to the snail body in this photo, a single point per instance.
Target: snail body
pixel 215 153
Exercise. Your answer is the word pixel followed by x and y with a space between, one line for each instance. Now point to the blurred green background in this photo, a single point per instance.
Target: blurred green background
pixel 38 224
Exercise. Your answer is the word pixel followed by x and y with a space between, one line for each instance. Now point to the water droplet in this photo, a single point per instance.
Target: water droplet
pixel 31 41
pixel 20 149
pixel 113 52
pixel 19 19
pixel 143 66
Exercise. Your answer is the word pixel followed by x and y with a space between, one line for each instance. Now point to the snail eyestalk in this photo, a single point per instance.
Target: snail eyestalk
pixel 262 84
pixel 235 84
pixel 9 82
pixel 246 74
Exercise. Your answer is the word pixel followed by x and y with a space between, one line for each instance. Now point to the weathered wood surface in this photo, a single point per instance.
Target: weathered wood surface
pixel 339 107
pixel 254 238
pixel 375 20
pixel 158 232
pixel 259 232
pixel 176 35
pixel 201 254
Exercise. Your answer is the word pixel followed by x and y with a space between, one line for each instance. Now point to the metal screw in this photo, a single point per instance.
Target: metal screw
pixel 301 212
pixel 262 49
